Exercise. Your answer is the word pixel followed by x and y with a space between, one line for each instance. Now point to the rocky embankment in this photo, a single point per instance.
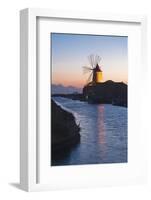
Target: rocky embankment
pixel 109 92
pixel 65 131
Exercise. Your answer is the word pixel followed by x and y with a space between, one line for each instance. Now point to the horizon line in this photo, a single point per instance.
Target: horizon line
pixel 64 85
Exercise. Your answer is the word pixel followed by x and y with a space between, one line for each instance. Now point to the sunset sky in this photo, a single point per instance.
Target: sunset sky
pixel 70 52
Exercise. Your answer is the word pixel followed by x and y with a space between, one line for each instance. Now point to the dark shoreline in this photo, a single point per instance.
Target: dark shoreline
pixel 78 153
pixel 65 132
pixel 109 92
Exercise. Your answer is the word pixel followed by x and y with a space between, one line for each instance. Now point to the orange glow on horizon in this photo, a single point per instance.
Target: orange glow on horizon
pixel 81 84
pixel 67 84
pixel 69 56
pixel 77 79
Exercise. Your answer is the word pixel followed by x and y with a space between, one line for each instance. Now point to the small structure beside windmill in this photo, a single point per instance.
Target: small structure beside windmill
pixel 96 74
pixel 97 91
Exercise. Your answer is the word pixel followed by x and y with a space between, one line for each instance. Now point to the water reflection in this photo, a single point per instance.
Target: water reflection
pixel 103 134
pixel 101 131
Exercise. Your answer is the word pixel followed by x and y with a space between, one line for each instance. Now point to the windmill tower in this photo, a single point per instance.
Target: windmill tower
pixel 96 74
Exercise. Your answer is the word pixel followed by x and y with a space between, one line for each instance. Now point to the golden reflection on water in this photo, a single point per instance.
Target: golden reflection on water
pixel 101 130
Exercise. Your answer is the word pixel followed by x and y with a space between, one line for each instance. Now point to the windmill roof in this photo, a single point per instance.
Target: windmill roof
pixel 97 68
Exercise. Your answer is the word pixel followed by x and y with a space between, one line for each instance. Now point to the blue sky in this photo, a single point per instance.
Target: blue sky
pixel 70 52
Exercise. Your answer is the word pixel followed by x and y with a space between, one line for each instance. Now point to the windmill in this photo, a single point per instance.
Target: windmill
pixel 94 70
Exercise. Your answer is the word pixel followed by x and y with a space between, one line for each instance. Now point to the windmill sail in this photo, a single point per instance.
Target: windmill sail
pixel 86 69
pixel 90 77
pixel 94 69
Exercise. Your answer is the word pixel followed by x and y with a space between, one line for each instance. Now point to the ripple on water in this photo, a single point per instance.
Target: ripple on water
pixel 103 133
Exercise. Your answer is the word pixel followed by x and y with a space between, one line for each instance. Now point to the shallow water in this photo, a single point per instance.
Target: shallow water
pixel 103 133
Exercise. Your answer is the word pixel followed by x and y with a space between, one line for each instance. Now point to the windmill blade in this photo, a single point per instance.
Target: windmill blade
pixel 97 59
pixel 89 78
pixel 94 61
pixel 86 69
pixel 91 60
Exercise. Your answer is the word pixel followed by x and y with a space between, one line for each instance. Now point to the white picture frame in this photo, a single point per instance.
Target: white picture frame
pixel 30 164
